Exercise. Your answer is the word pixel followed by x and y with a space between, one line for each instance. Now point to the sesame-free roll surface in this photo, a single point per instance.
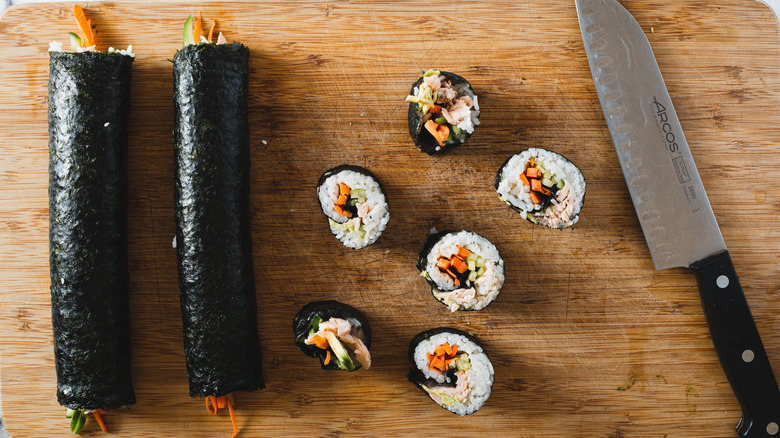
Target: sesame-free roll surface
pixel 213 239
pixel 89 103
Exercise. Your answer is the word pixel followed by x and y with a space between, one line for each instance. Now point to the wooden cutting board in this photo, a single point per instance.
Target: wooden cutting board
pixel 586 338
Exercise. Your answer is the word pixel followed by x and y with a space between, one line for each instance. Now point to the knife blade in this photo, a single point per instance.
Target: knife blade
pixel 670 202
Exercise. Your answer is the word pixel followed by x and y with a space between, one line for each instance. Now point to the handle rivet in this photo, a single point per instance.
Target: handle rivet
pixel 722 281
pixel 748 357
pixel 772 428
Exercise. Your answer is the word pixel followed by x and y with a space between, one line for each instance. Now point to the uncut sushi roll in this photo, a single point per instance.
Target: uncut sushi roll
pixel 355 204
pixel 213 236
pixel 464 269
pixel 89 104
pixel 337 334
pixel 452 368
pixel 543 186
pixel 443 111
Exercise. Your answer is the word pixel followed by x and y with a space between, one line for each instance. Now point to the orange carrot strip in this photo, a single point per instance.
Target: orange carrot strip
pixel 341 211
pixel 432 127
pixel 443 263
pixel 524 179
pixel 221 403
pixel 344 189
pixel 533 172
pixel 327 358
pixel 84 26
pixel 444 132
pixel 531 162
pixel 535 198
pixel 435 109
pixel 463 252
pixel 232 417
pixel 211 399
pixel 211 31
pixel 545 191
pixel 536 185
pixel 342 200
pixel 100 420
pixel 198 28
pixel 320 342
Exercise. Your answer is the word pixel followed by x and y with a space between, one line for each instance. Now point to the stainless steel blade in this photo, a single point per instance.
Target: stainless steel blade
pixel 668 195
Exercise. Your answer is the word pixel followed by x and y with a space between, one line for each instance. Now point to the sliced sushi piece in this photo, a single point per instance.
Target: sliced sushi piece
pixel 213 223
pixel 543 186
pixel 464 269
pixel 337 334
pixel 443 111
pixel 89 105
pixel 452 368
pixel 355 204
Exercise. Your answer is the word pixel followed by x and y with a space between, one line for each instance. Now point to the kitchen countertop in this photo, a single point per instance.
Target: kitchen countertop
pixel 4 4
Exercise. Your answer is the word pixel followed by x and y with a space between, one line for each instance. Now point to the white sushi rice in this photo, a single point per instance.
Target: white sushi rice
pixel 371 226
pixel 56 46
pixel 480 375
pixel 486 287
pixel 512 190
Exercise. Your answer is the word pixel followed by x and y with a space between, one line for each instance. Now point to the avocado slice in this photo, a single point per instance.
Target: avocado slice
pixel 342 357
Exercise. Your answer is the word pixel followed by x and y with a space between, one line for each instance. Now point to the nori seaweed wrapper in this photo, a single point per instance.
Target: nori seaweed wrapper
pixel 421 137
pixel 302 323
pixel 89 103
pixel 416 376
pixel 213 239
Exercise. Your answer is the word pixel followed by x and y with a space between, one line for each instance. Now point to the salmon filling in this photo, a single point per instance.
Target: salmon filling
pixel 342 345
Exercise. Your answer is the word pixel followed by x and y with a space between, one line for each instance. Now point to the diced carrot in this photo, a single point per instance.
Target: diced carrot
pixel 524 179
pixel 533 172
pixel 211 31
pixel 443 263
pixel 454 350
pixel 451 274
pixel 463 252
pixel 531 162
pixel 535 198
pixel 457 282
pixel 344 189
pixel 84 26
pixel 440 350
pixel 342 200
pixel 444 132
pixel 99 420
pixel 327 358
pixel 536 185
pixel 432 127
pixel 341 211
pixel 198 28
pixel 459 265
pixel 436 109
pixel 545 191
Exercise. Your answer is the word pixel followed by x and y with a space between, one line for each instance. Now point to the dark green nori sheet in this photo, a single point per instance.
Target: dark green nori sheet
pixel 529 215
pixel 421 137
pixel 416 376
pixel 89 103
pixel 213 239
pixel 326 310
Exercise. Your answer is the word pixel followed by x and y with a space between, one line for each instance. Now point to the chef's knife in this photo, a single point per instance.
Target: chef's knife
pixel 670 201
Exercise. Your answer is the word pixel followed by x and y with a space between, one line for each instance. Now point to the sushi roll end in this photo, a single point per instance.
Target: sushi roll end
pixel 443 111
pixel 338 334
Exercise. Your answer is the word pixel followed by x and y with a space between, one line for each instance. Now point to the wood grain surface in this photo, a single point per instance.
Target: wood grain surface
pixel 586 338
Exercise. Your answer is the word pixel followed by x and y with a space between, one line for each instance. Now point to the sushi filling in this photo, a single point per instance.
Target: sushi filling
pixel 546 188
pixel 84 41
pixel 342 341
pixel 457 374
pixel 467 270
pixel 356 208
pixel 449 111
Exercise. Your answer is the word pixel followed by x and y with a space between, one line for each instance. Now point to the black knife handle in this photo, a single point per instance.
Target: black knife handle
pixel 739 346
